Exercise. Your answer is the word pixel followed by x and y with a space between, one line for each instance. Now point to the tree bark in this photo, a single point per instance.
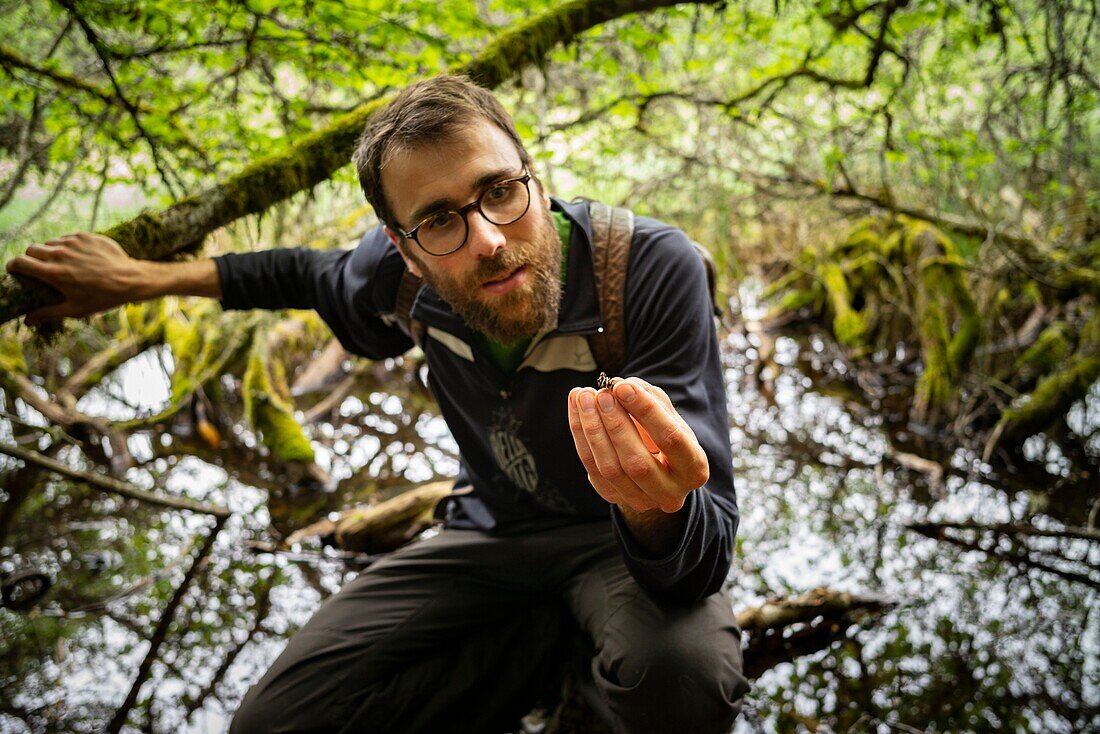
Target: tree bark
pixel 316 157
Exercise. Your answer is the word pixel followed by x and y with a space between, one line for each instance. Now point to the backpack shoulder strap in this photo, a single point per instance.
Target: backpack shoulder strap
pixel 612 231
pixel 402 311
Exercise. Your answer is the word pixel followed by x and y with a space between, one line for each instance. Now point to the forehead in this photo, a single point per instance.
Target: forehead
pixel 448 170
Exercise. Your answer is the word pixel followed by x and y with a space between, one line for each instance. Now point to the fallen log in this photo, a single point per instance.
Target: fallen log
pixel 781 630
pixel 378 528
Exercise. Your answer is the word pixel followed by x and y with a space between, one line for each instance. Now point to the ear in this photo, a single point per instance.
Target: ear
pixel 396 239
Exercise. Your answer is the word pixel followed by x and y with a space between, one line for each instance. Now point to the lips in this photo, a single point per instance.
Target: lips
pixel 506 282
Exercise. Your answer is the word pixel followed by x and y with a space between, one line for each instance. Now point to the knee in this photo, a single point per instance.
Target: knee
pixel 675 681
pixel 261 713
pixel 250 717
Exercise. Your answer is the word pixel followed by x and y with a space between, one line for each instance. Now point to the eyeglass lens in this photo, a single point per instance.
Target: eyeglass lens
pixel 502 204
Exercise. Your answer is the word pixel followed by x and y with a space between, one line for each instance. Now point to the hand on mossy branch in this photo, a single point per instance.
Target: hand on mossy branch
pixel 93 273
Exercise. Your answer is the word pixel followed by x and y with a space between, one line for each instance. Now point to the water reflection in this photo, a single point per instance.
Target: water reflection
pixel 973 645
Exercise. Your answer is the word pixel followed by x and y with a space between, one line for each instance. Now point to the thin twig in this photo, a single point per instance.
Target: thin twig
pixel 1014 529
pixel 161 632
pixel 109 484
pixel 1020 557
pixel 103 53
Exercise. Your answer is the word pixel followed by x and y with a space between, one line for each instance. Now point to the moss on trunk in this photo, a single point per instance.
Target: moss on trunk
pixel 1059 389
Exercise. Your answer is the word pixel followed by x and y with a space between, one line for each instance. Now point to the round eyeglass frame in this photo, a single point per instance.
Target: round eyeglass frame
pixel 464 213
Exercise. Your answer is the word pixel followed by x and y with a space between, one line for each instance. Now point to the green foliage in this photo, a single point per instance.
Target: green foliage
pixel 11 355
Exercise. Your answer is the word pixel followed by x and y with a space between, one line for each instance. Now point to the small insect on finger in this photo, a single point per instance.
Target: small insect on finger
pixel 603 382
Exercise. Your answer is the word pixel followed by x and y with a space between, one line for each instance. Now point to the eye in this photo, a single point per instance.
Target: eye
pixel 499 193
pixel 440 220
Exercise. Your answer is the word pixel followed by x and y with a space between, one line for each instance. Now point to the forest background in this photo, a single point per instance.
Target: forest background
pixel 902 200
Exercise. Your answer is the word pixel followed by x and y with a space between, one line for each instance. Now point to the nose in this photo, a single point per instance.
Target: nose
pixel 484 238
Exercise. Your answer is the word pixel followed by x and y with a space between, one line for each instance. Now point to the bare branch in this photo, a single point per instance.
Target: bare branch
pixel 160 634
pixel 12 59
pixel 110 484
pixel 27 153
pixel 1013 529
pixel 1017 554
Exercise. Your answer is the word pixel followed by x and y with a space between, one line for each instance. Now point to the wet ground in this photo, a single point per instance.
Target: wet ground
pixel 973 643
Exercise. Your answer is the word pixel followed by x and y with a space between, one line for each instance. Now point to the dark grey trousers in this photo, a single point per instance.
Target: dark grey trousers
pixel 460 633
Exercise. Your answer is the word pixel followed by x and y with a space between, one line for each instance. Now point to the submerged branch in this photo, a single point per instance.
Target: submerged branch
pixel 262 595
pixel 1073 533
pixel 1017 554
pixel 109 484
pixel 161 632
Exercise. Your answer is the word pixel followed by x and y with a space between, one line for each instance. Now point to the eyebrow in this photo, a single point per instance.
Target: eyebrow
pixel 482 181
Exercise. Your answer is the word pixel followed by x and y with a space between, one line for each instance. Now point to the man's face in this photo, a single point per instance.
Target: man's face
pixel 506 280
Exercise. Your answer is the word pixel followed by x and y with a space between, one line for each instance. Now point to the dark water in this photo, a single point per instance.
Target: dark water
pixel 972 644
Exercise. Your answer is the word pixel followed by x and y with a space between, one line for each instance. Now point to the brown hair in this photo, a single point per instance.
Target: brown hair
pixel 426 112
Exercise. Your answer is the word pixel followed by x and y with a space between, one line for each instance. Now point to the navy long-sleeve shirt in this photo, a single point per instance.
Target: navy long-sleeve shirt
pixel 517 452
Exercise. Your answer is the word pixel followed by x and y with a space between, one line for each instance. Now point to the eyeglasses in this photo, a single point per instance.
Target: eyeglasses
pixel 446 231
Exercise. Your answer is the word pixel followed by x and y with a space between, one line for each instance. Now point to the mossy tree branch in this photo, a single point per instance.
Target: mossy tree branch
pixel 316 157
pixel 1059 273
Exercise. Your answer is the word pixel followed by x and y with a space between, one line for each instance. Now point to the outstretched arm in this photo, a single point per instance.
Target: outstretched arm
pixel 94 274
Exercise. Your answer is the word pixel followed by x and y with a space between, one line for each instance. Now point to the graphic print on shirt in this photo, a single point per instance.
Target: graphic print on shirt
pixel 511 454
pixel 517 462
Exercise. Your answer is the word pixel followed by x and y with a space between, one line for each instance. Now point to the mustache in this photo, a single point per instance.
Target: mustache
pixel 499 265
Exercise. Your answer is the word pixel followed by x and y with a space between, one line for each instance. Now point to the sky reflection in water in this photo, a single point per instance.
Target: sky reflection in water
pixel 973 645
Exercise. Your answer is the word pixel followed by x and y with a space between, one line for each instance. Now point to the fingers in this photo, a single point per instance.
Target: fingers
pixel 91 272
pixel 620 462
pixel 39 264
pixel 32 265
pixel 651 407
pixel 42 261
pixel 584 451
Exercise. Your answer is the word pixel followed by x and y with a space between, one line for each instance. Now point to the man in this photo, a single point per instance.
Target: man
pixel 611 510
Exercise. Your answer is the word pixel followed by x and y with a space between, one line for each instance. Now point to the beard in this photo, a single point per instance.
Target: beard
pixel 523 311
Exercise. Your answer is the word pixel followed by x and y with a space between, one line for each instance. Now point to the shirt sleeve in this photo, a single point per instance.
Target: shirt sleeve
pixel 352 290
pixel 671 343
